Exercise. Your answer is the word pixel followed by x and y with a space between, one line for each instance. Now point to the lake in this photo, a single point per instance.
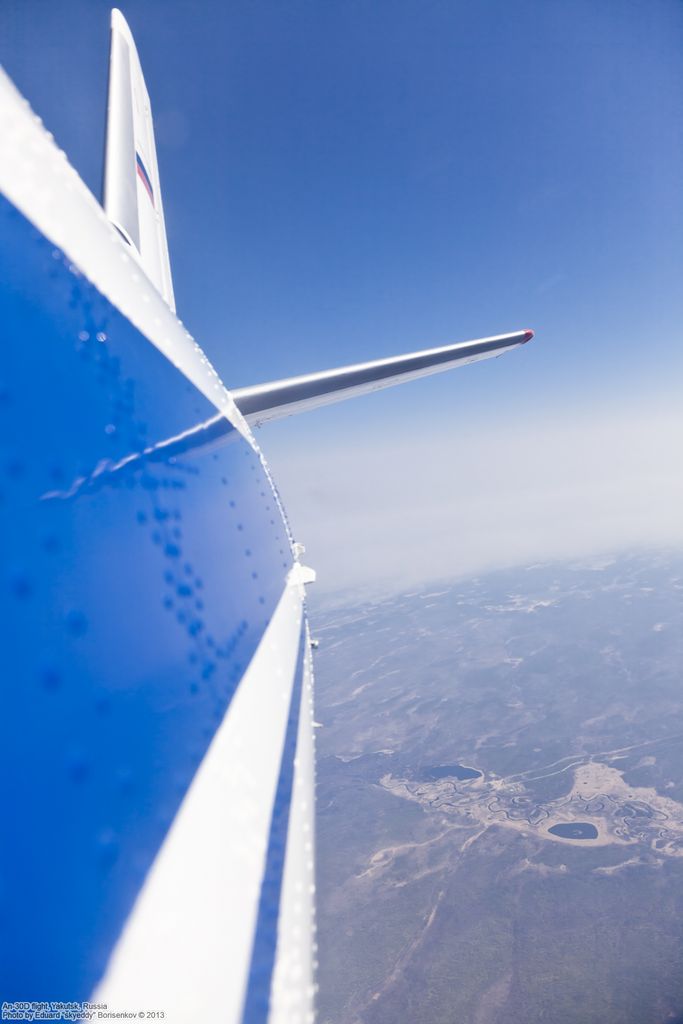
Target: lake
pixel 575 830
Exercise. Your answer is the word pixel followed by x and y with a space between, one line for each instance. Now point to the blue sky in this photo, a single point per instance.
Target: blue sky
pixel 347 180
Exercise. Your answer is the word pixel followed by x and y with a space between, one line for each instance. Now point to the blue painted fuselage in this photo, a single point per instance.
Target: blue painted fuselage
pixel 138 579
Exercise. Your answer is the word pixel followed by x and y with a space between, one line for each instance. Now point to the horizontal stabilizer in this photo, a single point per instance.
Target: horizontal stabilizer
pixel 283 398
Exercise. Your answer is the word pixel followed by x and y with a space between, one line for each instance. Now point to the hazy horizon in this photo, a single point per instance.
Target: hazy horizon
pixel 376 516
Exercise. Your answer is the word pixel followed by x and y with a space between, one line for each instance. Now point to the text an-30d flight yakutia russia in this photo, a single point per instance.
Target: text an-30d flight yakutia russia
pixel 158 763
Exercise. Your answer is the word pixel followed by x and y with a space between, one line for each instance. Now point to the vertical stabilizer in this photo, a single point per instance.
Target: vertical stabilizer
pixel 132 193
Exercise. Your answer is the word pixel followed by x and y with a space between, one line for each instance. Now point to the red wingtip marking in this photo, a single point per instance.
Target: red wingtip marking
pixel 528 335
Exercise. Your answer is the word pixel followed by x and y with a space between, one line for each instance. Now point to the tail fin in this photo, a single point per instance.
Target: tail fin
pixel 132 194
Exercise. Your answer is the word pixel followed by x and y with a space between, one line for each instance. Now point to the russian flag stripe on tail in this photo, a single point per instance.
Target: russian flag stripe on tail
pixel 144 176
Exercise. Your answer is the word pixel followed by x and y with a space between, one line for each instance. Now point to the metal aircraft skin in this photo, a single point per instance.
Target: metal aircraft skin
pixel 158 756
